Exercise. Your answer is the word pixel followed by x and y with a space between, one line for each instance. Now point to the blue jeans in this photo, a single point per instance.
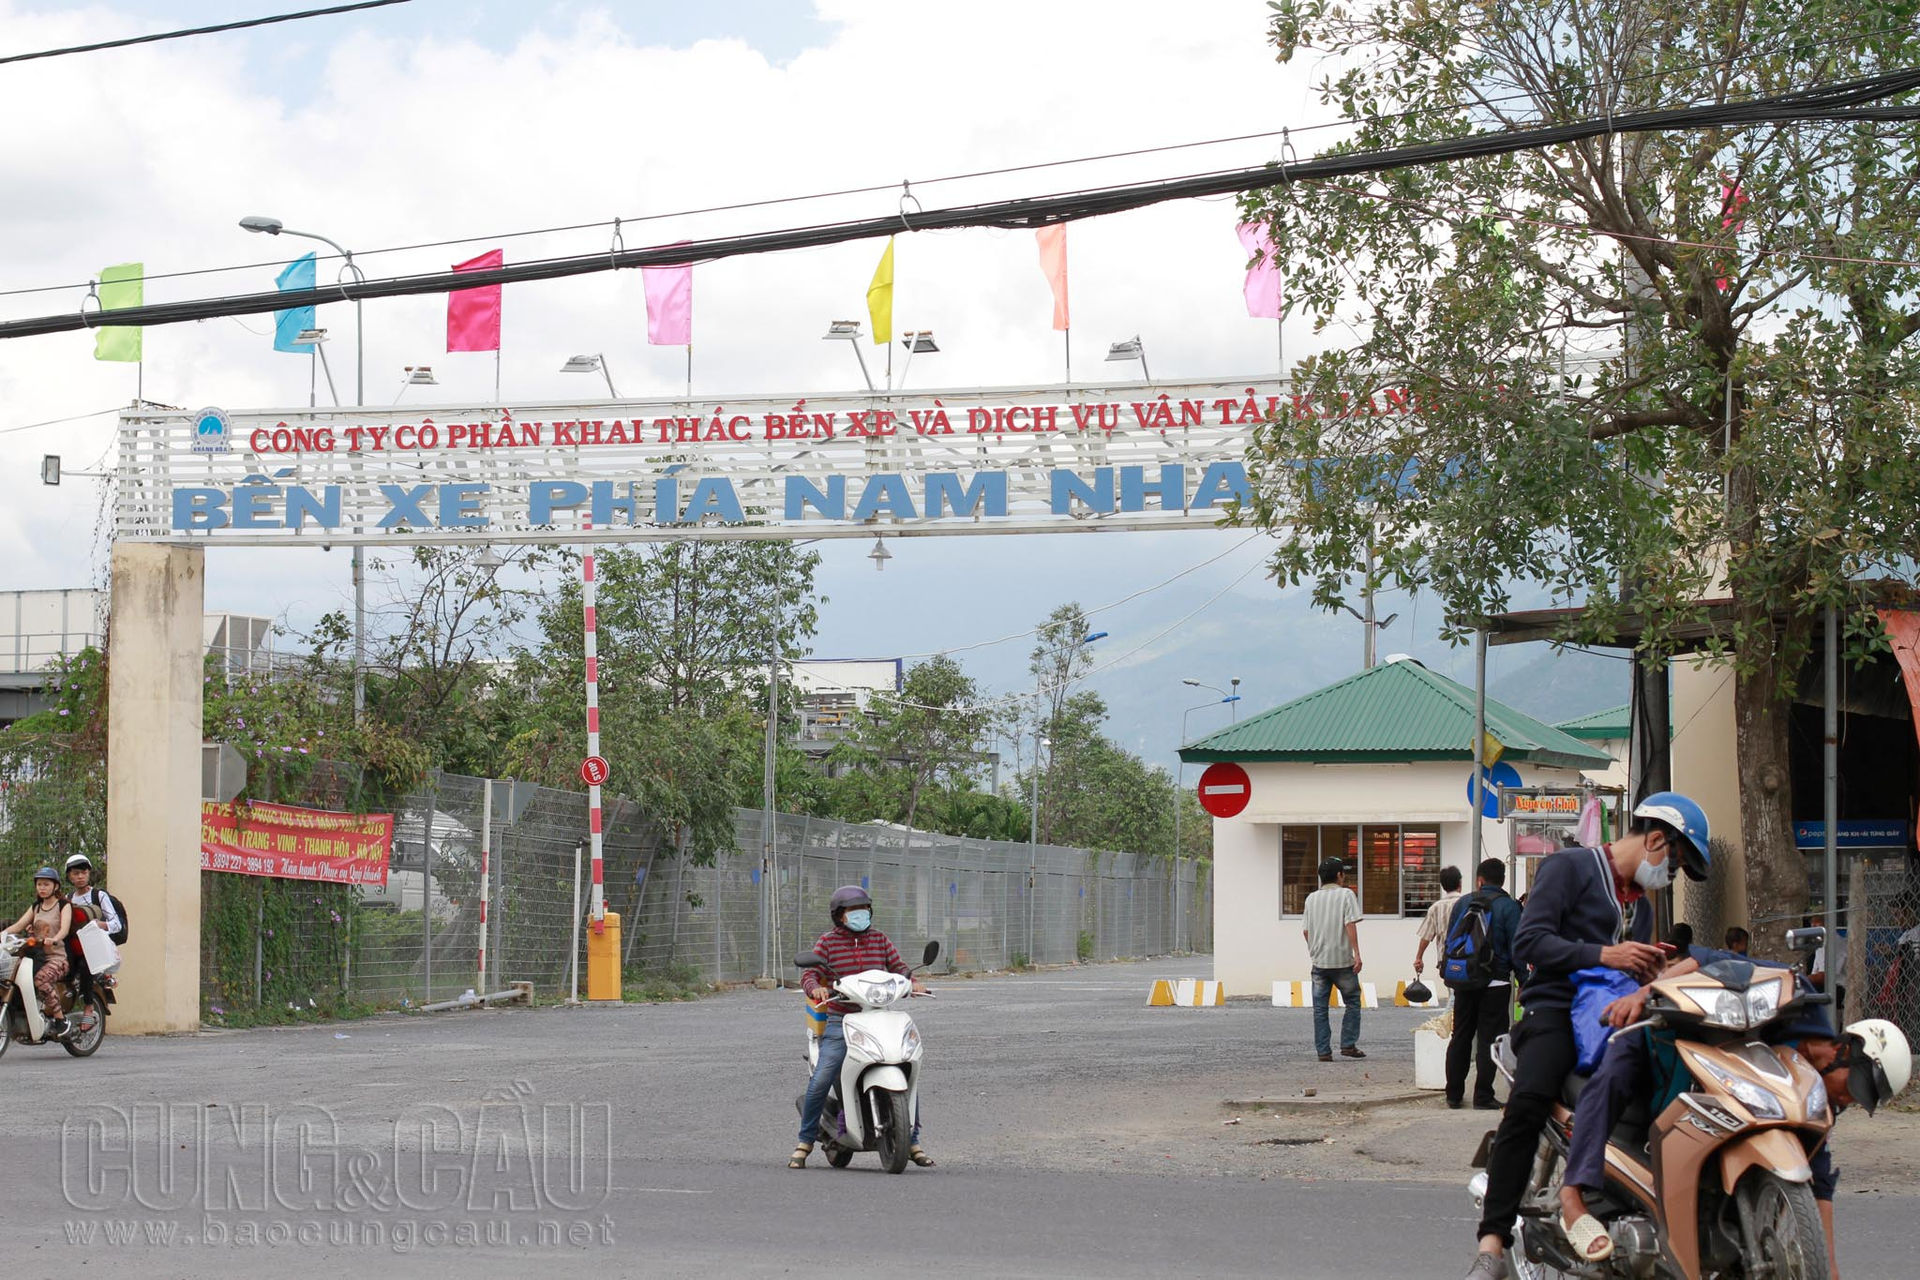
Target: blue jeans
pixel 833 1053
pixel 1324 980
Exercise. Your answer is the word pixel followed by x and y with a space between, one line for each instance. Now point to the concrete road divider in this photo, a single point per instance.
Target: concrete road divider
pixel 1186 993
pixel 1299 995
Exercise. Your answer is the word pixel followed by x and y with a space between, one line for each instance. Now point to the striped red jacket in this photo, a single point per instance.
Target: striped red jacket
pixel 849 953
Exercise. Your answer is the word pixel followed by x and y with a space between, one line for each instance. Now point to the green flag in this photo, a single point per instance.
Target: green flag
pixel 120 287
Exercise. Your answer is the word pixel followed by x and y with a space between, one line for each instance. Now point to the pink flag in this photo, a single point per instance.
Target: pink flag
pixel 473 315
pixel 669 304
pixel 1053 265
pixel 1263 277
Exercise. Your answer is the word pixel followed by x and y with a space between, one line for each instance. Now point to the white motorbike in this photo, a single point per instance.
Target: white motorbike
pixel 882 1067
pixel 84 1001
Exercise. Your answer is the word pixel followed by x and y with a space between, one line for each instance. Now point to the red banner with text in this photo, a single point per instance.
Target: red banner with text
pixel 295 844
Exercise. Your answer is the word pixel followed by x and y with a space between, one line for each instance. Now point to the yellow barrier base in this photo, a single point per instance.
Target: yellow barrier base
pixel 603 959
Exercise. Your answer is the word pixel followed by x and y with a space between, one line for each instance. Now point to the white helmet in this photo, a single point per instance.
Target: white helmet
pixel 1882 1061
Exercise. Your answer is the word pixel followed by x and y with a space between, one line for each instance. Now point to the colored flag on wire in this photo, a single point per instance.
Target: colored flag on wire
pixel 473 315
pixel 880 298
pixel 289 324
pixel 1733 204
pixel 1053 265
pixel 120 287
pixel 1263 286
pixel 669 304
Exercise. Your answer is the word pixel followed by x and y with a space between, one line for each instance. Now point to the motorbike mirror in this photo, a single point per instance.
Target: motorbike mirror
pixel 931 954
pixel 809 961
pixel 1805 939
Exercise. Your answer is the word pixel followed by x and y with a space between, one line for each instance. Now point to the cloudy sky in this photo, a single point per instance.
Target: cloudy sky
pixel 445 120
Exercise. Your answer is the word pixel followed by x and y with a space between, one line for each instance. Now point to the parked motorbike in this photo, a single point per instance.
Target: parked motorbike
pixel 84 1001
pixel 1715 1187
pixel 881 1071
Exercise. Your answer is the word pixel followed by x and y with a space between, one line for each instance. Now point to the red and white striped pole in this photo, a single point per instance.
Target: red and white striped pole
pixel 598 911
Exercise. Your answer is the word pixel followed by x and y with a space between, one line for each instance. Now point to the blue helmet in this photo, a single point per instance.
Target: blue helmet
pixel 1687 818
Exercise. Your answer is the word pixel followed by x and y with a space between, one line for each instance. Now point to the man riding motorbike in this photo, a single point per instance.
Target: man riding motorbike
pixel 852 945
pixel 1867 1063
pixel 46 924
pixel 1578 916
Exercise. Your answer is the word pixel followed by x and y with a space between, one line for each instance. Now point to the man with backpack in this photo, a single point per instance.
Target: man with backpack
pixel 1477 966
pixel 100 904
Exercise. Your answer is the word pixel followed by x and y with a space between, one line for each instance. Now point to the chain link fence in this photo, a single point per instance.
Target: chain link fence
pixel 1880 910
pixel 416 939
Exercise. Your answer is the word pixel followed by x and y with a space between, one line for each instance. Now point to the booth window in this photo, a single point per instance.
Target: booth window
pixel 1396 869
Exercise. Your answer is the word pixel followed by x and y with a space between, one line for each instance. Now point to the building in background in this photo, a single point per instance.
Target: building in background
pixel 1374 769
pixel 833 691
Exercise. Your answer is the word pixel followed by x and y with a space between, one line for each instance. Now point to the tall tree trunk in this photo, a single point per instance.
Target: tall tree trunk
pixel 1776 873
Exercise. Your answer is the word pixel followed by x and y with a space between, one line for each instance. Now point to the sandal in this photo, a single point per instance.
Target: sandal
pixel 798 1160
pixel 918 1154
pixel 1589 1239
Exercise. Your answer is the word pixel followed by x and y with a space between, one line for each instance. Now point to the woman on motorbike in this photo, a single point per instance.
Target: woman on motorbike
pixel 46 924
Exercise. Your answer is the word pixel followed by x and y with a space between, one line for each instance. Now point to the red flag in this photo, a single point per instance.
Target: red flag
pixel 473 315
pixel 1733 203
pixel 1053 265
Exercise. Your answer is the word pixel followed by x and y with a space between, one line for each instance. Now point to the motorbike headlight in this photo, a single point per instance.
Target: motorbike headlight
pixel 1817 1105
pixel 1761 1102
pixel 1722 1008
pixel 1763 1002
pixel 910 1043
pixel 858 1039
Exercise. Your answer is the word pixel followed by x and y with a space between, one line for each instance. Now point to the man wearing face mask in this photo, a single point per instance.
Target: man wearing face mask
pixel 851 946
pixel 1578 915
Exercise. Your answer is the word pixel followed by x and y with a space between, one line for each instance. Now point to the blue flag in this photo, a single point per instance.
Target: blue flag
pixel 288 324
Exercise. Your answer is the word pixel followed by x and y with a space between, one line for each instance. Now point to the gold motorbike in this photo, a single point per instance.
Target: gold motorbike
pixel 1718 1185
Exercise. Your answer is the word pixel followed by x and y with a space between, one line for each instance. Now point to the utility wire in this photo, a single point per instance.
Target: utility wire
pixel 1846 101
pixel 877 188
pixel 240 25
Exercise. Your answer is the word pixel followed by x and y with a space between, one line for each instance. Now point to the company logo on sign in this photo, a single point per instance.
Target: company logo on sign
pixel 212 431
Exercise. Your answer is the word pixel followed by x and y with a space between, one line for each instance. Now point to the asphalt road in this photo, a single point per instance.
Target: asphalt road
pixel 1078 1133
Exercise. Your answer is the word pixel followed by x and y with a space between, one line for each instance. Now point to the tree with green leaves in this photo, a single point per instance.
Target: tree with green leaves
pixel 931 730
pixel 1642 372
pixel 686 633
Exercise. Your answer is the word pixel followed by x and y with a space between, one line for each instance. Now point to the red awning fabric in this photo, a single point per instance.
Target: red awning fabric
pixel 1903 631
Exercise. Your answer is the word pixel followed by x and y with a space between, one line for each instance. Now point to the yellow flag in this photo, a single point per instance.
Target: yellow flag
pixel 1491 749
pixel 880 298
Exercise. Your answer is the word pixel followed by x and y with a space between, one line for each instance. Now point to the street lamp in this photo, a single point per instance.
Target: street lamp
pixel 849 331
pixel 917 343
pixel 1033 809
pixel 879 555
pixel 1180 784
pixel 1367 622
pixel 1131 349
pixel 591 364
pixel 416 375
pixel 274 227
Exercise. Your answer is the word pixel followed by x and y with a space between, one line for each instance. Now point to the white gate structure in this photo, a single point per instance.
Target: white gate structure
pixel 927 463
pixel 1007 460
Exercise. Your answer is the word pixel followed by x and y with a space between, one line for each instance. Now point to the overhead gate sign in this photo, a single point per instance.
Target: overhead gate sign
pixel 1042 459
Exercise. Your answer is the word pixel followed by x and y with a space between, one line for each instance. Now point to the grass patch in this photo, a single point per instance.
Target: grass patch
pixel 669 982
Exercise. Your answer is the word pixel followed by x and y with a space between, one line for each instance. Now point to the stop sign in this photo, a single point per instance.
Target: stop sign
pixel 1225 789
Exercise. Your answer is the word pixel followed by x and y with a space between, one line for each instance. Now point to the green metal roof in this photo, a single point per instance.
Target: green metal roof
pixel 1596 725
pixel 1397 712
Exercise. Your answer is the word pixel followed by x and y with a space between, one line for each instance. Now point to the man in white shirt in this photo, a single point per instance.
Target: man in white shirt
pixel 1433 929
pixel 98 902
pixel 1331 925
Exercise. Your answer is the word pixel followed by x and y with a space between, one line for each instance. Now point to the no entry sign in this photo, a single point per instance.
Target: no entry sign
pixel 1225 789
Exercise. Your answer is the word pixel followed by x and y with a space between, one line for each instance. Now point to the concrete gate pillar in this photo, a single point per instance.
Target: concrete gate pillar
pixel 156 681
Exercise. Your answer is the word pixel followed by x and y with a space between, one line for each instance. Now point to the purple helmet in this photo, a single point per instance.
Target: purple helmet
pixel 847 895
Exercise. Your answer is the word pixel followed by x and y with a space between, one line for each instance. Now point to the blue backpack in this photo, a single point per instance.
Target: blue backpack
pixel 1468 961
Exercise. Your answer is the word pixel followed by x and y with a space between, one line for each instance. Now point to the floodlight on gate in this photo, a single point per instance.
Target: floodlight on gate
pixel 420 375
pixel 845 330
pixel 309 337
pixel 879 555
pixel 920 343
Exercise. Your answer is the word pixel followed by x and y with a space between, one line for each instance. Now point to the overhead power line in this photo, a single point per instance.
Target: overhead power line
pixel 1847 101
pixel 239 25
